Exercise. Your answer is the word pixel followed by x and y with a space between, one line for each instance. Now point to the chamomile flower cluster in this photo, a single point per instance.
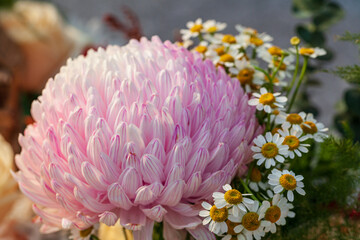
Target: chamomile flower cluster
pixel 261 200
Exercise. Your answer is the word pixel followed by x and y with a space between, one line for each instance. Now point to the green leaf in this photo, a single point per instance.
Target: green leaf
pixel 350 74
pixel 351 37
pixel 313 38
pixel 352 100
pixel 329 15
pixel 306 8
pixel 6 3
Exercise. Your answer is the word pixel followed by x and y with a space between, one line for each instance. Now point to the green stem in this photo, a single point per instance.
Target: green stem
pixel 248 190
pixel 302 74
pixel 124 233
pixel 268 125
pixel 201 38
pixel 263 71
pixel 295 71
pixel 253 56
pixel 94 237
pixel 249 172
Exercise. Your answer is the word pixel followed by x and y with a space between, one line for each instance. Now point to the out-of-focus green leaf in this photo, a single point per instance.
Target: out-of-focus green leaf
pixel 313 38
pixel 349 73
pixel 306 8
pixel 6 3
pixel 329 15
pixel 352 100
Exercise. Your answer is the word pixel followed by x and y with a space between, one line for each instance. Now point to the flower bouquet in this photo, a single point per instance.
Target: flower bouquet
pixel 170 142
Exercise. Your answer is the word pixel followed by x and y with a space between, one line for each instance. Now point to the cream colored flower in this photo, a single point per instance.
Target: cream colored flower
pixel 8 188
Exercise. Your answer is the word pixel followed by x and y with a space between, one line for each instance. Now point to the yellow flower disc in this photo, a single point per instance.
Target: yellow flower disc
pixel 309 130
pixel 282 66
pixel 267 99
pixel 256 41
pixel 245 76
pixel 306 51
pixel 294 118
pixel 269 150
pixel 295 41
pixel 275 130
pixel 218 215
pixel 292 141
pixel 250 221
pixel 273 214
pixel 212 29
pixel 196 28
pixel 228 38
pixel 226 58
pixel 275 51
pixel 220 50
pixel 255 175
pixel 288 181
pixel 233 196
pixel 201 49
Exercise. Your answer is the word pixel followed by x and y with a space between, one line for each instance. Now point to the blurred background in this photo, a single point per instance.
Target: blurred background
pixel 36 38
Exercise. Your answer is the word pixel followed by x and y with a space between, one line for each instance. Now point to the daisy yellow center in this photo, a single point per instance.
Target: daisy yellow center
pixel 250 221
pixel 255 175
pixel 256 41
pixel 275 51
pixel 273 214
pixel 292 141
pixel 212 29
pixel 196 28
pixel 201 49
pixel 269 150
pixel 231 225
pixel 245 76
pixel 288 181
pixel 86 232
pixel 220 50
pixel 306 51
pixel 275 130
pixel 218 215
pixel 295 41
pixel 226 58
pixel 294 118
pixel 267 99
pixel 233 196
pixel 309 130
pixel 282 67
pixel 228 38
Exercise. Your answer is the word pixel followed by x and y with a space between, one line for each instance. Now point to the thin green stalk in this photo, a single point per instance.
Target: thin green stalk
pixel 263 71
pixel 248 190
pixel 253 56
pixel 268 125
pixel 201 38
pixel 249 172
pixel 277 68
pixel 295 71
pixel 124 233
pixel 302 75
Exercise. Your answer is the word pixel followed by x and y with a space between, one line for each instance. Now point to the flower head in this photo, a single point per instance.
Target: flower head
pixel 312 52
pixel 140 133
pixel 267 101
pixel 286 181
pixel 233 198
pixel 313 129
pixel 193 29
pixel 294 140
pixel 269 148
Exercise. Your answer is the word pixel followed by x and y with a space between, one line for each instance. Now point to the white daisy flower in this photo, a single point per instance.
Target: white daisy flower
pixel 267 101
pixel 85 234
pixel 194 29
pixel 253 223
pixel 313 129
pixel 231 231
pixel 202 47
pixel 285 69
pixel 212 26
pixel 310 52
pixel 232 197
pixel 228 59
pixel 286 181
pixel 293 139
pixel 255 180
pixel 277 116
pixel 269 148
pixel 186 43
pixel 291 119
pixel 245 30
pixel 223 39
pixel 215 217
pixel 246 74
pixel 276 212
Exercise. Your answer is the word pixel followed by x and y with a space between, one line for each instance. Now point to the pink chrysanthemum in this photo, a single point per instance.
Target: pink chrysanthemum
pixel 143 133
